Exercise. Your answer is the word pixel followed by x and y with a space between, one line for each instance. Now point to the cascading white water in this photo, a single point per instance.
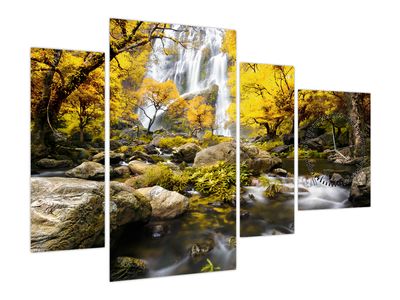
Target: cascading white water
pixel 316 195
pixel 196 67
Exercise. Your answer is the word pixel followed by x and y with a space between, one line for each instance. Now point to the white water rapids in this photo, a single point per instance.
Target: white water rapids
pixel 193 68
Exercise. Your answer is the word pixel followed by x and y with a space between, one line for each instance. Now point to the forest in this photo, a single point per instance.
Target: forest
pixel 334 149
pixel 267 131
pixel 67 149
pixel 172 144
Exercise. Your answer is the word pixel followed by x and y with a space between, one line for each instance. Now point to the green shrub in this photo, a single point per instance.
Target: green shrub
pixel 218 180
pixel 130 149
pixel 175 141
pixel 245 175
pixel 209 139
pixel 162 175
pixel 307 153
pixel 267 146
pixel 273 186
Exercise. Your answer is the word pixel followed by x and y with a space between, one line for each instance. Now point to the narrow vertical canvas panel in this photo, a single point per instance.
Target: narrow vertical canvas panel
pixel 334 149
pixel 267 150
pixel 173 150
pixel 67 149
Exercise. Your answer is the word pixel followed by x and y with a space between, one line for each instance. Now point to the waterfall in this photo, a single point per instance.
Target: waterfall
pixel 194 68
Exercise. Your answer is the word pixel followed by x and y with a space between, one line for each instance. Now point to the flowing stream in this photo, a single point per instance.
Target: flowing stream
pixel 319 192
pixel 266 216
pixel 165 245
pixel 263 216
pixel 193 68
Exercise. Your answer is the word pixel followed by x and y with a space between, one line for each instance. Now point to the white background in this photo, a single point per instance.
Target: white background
pixel 335 254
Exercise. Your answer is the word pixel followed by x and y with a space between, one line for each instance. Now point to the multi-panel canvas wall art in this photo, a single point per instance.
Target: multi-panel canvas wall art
pixel 173 150
pixel 334 149
pixel 67 149
pixel 266 149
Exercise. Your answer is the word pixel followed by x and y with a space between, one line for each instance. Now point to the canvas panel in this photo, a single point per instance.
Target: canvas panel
pixel 267 149
pixel 173 151
pixel 334 149
pixel 67 149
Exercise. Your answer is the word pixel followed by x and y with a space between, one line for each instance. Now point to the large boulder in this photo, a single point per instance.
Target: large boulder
pixel 280 149
pixel 76 154
pixel 124 267
pixel 186 152
pixel 138 167
pixel 225 151
pixel 152 148
pixel 121 171
pixel 87 170
pixel 314 144
pixel 135 181
pixel 165 204
pixel 360 192
pixel 210 94
pixel 115 157
pixel 50 163
pixel 66 213
pixel 258 161
pixel 139 155
pixel 201 248
pixel 127 206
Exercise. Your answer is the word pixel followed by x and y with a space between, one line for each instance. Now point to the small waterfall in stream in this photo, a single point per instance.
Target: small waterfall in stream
pixel 195 68
pixel 314 194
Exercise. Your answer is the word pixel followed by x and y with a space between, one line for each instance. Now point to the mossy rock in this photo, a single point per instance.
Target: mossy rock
pixel 127 206
pixel 124 268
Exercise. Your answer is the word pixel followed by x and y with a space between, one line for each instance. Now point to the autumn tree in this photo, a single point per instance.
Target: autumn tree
pixel 200 115
pixel 86 104
pixel 54 78
pixel 155 97
pixel 267 97
pixel 340 110
pixel 56 74
pixel 229 47
pixel 131 43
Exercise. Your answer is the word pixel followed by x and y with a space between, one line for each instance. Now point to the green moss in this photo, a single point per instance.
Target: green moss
pixel 209 139
pixel 129 150
pixel 163 176
pixel 156 158
pixel 307 153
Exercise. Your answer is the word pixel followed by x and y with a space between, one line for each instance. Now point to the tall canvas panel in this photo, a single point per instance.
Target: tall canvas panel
pixel 67 149
pixel 266 149
pixel 173 150
pixel 334 149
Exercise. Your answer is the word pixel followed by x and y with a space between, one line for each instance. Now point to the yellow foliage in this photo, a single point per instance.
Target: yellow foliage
pixel 83 108
pixel 200 114
pixel 229 47
pixel 267 96
pixel 158 94
pixel 178 108
pixel 314 104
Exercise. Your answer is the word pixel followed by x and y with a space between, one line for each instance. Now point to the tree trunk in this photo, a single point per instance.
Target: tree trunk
pixel 42 114
pixel 354 101
pixel 81 135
